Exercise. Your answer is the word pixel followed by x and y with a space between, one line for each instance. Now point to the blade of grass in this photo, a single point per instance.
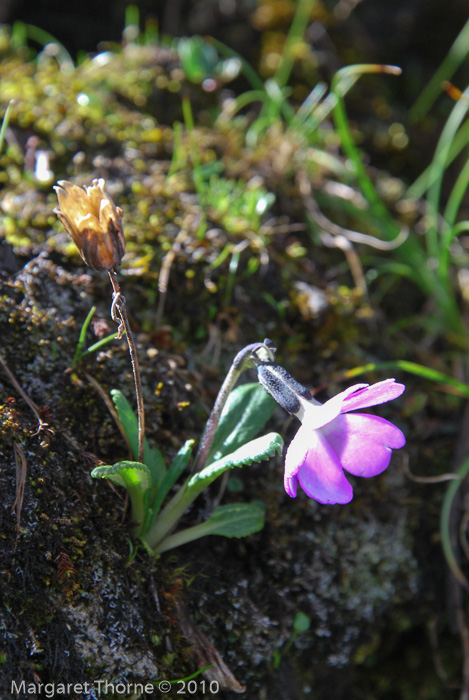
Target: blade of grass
pixel 249 72
pixel 99 344
pixel 79 352
pixel 445 524
pixel 5 120
pixel 42 37
pixel 232 269
pixel 310 103
pixel 456 55
pixel 410 252
pixel 178 161
pixel 341 82
pixel 82 338
pixel 438 169
pixel 456 196
pixel 444 380
pixel 451 229
pixel 425 180
pixel 246 98
pixel 196 170
pixel 294 37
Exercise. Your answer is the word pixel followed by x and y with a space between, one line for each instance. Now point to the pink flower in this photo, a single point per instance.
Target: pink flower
pixel 332 439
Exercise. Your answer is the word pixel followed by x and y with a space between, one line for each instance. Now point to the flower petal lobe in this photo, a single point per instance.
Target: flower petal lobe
pixel 311 460
pixel 381 392
pixel 363 442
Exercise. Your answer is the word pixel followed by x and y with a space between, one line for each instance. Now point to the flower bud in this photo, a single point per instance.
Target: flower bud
pixel 93 221
pixel 277 382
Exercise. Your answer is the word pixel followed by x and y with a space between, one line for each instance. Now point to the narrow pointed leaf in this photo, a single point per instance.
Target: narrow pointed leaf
pixel 433 375
pixel 81 340
pixel 172 475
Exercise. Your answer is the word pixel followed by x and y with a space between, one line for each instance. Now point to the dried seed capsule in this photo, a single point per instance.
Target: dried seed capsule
pixel 93 221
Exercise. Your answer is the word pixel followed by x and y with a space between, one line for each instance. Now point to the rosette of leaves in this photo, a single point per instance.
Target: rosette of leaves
pixel 156 513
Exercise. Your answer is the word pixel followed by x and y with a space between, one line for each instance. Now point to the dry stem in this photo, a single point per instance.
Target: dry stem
pixel 119 315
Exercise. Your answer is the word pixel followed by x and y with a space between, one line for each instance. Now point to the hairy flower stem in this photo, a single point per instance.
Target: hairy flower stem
pixel 244 359
pixel 119 315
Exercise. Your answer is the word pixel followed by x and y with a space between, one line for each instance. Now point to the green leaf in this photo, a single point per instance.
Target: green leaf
pixel 232 520
pixel 247 410
pixel 135 477
pixel 127 417
pixel 301 623
pixel 79 352
pixel 125 473
pixel 198 58
pixel 99 344
pixel 257 450
pixel 172 475
pixel 152 455
pixel 82 338
pixel 236 519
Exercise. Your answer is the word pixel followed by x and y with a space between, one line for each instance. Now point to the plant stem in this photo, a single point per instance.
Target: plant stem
pixel 242 361
pixel 169 516
pixel 182 537
pixel 118 305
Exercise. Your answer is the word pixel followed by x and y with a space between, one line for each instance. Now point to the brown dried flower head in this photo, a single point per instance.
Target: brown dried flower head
pixel 93 221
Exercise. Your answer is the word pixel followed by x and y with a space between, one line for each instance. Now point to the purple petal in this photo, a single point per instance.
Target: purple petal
pixel 316 414
pixel 291 485
pixel 311 460
pixel 363 443
pixel 294 458
pixel 373 395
